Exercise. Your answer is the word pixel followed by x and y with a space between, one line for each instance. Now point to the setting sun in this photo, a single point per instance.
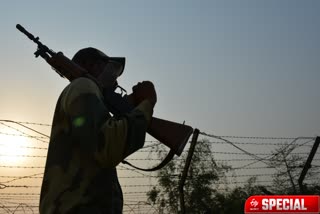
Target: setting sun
pixel 12 149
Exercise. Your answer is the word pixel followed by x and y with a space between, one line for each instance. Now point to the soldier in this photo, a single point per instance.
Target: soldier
pixel 87 143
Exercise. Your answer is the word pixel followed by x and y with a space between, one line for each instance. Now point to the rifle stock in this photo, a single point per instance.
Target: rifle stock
pixel 172 134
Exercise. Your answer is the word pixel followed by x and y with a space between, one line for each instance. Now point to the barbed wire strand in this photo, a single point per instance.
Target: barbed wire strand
pixel 22 132
pixel 18 123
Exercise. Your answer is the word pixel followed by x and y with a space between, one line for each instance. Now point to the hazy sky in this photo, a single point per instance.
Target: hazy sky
pixel 245 68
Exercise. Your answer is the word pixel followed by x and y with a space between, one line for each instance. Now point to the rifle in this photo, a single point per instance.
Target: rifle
pixel 173 135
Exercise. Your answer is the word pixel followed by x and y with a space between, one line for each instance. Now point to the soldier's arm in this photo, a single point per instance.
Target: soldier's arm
pixel 107 138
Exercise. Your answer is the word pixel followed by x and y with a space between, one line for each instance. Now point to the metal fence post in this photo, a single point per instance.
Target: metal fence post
pixel 185 170
pixel 308 164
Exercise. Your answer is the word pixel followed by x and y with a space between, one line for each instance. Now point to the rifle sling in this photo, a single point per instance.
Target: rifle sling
pixel 166 160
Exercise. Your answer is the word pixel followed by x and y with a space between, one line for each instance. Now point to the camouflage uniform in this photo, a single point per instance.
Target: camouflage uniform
pixel 86 145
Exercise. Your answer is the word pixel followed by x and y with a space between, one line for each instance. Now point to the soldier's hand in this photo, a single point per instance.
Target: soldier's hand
pixel 144 90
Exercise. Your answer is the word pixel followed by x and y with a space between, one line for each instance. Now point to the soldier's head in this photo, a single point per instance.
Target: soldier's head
pixel 106 69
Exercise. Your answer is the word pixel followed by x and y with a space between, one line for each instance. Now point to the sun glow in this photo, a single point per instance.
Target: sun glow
pixel 12 149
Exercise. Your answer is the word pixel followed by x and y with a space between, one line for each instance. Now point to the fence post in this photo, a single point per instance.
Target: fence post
pixel 185 170
pixel 308 163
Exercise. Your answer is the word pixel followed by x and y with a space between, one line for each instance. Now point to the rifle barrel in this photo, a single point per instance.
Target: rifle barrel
pixel 42 49
pixel 29 35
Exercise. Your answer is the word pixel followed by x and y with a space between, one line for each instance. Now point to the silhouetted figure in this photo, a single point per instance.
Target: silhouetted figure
pixel 87 143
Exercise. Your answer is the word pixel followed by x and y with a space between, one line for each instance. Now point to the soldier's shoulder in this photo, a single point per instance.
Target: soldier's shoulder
pixel 79 87
pixel 82 85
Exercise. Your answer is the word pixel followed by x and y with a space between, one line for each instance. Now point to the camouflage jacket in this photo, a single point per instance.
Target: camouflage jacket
pixel 86 144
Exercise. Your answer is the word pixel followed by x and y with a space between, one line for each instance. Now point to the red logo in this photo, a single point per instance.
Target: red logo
pixel 283 204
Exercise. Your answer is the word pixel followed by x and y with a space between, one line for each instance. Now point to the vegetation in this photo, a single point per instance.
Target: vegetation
pixel 203 192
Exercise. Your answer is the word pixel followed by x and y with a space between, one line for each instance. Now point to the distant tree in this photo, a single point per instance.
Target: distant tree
pixel 200 192
pixel 234 201
pixel 288 170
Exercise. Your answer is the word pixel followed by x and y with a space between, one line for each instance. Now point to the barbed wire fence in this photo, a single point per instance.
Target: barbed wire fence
pixel 23 150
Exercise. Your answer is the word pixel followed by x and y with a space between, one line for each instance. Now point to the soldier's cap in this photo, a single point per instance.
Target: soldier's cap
pixel 93 54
